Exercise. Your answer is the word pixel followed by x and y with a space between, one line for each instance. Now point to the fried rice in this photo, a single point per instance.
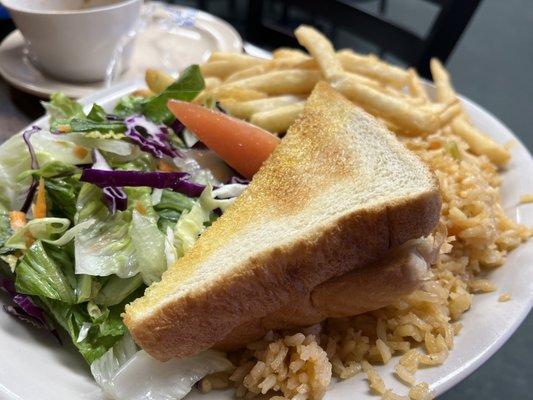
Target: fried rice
pixel 421 327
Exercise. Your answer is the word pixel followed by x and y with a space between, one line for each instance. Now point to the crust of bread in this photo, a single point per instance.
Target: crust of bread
pixel 365 289
pixel 169 326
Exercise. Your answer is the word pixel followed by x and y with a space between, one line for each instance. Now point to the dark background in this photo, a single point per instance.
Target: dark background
pixel 492 64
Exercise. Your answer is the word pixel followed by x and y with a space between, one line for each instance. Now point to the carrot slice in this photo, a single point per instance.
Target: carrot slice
pixel 17 219
pixel 80 152
pixel 39 210
pixel 244 146
pixel 163 166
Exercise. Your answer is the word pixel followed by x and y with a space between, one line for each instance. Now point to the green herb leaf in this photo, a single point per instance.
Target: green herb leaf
pixel 186 88
pixel 97 114
pixel 129 105
pixel 86 125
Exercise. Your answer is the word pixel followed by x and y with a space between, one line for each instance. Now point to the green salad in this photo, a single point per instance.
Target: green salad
pixel 94 207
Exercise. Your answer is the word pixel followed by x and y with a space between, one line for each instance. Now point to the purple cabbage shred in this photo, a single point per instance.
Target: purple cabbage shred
pixel 25 309
pixel 34 165
pixel 150 137
pixel 177 126
pixel 239 179
pixel 114 197
pixel 176 181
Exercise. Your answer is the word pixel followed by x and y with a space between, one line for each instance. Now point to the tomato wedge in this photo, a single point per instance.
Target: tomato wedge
pixel 244 146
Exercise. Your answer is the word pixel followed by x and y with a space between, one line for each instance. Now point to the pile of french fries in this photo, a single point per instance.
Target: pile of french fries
pixel 271 93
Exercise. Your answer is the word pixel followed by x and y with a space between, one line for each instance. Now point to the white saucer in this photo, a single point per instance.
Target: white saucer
pixel 192 37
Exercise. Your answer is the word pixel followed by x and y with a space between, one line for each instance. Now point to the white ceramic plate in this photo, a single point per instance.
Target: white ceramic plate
pixel 193 36
pixel 34 367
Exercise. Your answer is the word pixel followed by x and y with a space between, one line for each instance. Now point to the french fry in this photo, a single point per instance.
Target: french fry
pixel 286 52
pixel 223 68
pixel 416 89
pixel 236 93
pixel 441 78
pixel 479 143
pixel 373 68
pixel 321 50
pixel 286 63
pixel 233 57
pixel 245 109
pixel 294 63
pixel 212 82
pixel 452 110
pixel 290 81
pixel 248 72
pixel 142 93
pixel 278 119
pixel 413 120
pixel 383 88
pixel 157 80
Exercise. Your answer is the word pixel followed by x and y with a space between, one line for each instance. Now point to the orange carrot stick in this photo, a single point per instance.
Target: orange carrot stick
pixel 242 145
pixel 17 219
pixel 80 152
pixel 39 210
pixel 163 166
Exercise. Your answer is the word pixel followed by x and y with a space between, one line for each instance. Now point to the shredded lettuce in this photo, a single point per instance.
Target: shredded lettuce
pixel 105 247
pixel 125 243
pixel 105 330
pixel 15 159
pixel 40 274
pixel 191 224
pixel 126 374
pixel 60 107
pixel 48 170
pixel 149 245
pixel 62 193
pixel 107 366
pixel 92 141
pixel 5 231
pixel 41 229
pixel 116 289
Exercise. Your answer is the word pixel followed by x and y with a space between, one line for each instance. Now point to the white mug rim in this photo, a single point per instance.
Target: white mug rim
pixel 10 6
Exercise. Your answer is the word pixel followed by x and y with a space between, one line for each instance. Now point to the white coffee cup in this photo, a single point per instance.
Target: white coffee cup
pixel 74 40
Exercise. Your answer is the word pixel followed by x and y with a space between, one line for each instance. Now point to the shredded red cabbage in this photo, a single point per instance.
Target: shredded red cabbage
pixel 177 126
pixel 114 197
pixel 219 107
pixel 239 179
pixel 150 137
pixel 176 181
pixel 25 309
pixel 34 165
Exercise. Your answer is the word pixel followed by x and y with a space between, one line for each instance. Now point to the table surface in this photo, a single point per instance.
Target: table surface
pixel 507 373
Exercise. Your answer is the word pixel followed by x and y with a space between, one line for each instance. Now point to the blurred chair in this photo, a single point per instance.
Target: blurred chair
pixel 376 28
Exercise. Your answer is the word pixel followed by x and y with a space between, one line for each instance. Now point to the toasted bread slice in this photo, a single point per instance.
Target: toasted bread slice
pixel 338 193
pixel 399 273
